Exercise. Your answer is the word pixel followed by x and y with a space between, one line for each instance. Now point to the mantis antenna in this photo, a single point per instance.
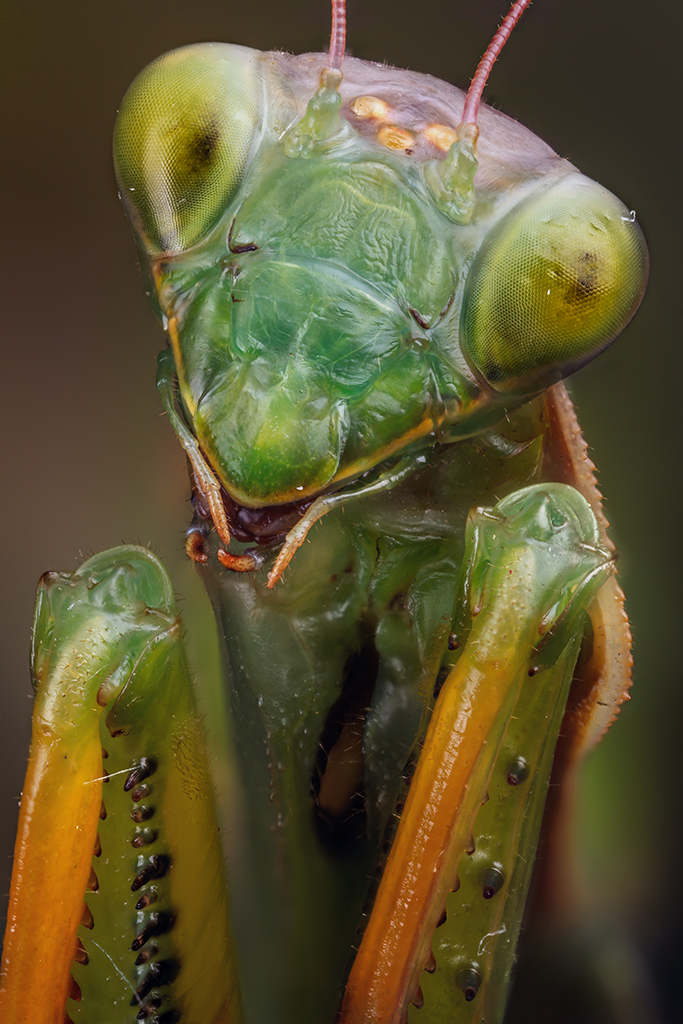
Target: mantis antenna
pixel 473 98
pixel 338 34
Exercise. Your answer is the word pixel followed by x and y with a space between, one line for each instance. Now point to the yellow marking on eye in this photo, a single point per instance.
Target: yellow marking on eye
pixel 394 137
pixel 371 107
pixel 441 136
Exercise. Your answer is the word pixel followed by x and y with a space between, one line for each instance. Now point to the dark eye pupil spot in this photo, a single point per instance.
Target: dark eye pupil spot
pixel 493 372
pixel 201 149
pixel 587 282
pixel 587 279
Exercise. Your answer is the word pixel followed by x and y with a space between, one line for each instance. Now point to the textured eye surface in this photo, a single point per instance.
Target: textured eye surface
pixel 182 141
pixel 554 283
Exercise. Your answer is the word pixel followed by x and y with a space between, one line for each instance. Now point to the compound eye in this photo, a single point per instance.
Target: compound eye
pixel 554 284
pixel 182 141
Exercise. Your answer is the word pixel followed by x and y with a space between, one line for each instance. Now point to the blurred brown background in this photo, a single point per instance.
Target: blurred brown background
pixel 89 462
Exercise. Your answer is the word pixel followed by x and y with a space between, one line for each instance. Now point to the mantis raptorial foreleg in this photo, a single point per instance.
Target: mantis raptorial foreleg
pixel 117 811
pixel 532 566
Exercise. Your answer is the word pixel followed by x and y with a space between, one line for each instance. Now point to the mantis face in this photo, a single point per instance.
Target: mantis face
pixel 345 274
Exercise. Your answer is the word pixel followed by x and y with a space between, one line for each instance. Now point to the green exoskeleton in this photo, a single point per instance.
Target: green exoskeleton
pixel 371 291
